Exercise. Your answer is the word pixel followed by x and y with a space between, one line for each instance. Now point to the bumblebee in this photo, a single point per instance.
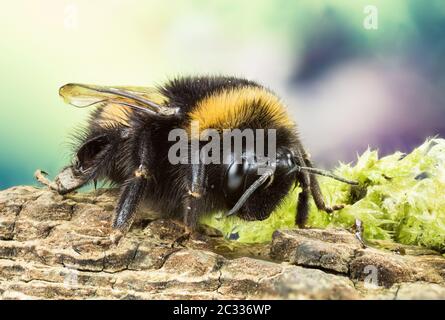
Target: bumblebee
pixel 127 143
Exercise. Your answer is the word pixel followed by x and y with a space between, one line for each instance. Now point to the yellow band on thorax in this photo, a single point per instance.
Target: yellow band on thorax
pixel 229 109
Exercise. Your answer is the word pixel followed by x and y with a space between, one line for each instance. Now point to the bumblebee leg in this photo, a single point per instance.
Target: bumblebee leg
pixel 196 188
pixel 315 187
pixel 195 182
pixel 132 192
pixel 131 195
pixel 183 237
pixel 303 201
pixel 91 156
pixel 303 197
pixel 69 179
pixel 40 176
pixel 190 212
pixel 190 217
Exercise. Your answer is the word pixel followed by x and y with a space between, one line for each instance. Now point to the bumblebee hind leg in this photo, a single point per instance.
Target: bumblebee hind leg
pixel 69 179
pixel 90 156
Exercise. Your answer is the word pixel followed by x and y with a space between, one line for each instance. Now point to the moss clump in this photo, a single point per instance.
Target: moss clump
pixel 400 197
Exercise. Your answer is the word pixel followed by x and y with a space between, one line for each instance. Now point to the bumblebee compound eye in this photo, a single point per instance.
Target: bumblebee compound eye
pixel 243 179
pixel 235 178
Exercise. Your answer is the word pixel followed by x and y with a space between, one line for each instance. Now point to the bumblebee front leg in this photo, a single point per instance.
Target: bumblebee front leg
pixel 303 199
pixel 315 189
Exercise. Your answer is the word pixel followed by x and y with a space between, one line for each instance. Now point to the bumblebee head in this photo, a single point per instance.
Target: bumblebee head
pixel 252 184
pixel 254 188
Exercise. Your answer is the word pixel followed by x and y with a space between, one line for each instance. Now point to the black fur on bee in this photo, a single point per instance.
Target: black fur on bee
pixel 127 143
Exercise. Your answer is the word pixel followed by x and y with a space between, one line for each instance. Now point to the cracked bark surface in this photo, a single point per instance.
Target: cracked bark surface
pixel 50 248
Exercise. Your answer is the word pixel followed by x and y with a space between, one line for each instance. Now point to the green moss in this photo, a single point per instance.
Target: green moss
pixel 400 197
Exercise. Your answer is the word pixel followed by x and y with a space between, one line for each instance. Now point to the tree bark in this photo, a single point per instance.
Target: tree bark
pixel 54 247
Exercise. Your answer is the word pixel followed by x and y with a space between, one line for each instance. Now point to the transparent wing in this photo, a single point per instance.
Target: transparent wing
pixel 139 98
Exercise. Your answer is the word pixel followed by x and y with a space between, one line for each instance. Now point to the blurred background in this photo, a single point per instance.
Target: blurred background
pixel 353 73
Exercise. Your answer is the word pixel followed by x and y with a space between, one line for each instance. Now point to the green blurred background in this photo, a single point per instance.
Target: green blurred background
pixel 348 87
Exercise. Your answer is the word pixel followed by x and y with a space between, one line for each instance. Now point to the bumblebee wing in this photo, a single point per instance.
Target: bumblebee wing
pixel 137 98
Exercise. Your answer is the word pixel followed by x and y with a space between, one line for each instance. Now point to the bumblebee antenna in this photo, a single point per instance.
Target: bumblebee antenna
pixel 258 183
pixel 322 172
